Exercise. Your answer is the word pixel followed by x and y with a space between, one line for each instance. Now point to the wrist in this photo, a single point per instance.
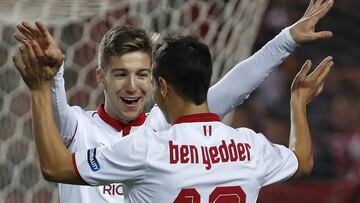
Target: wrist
pixel 298 103
pixel 291 37
pixel 44 87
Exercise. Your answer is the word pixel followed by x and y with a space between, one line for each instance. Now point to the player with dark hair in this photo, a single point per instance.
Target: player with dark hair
pixel 198 157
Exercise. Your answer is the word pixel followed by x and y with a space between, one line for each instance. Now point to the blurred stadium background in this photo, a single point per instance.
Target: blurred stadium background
pixel 233 29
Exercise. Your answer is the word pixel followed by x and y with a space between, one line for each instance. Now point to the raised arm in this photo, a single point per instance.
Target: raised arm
pixel 238 83
pixel 304 89
pixel 55 160
pixel 64 114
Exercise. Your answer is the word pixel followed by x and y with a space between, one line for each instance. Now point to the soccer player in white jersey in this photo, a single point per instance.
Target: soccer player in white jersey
pixel 198 158
pixel 74 122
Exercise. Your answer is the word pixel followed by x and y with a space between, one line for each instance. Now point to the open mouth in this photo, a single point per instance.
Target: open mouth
pixel 130 101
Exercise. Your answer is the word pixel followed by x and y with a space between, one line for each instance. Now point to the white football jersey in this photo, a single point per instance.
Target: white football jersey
pixel 198 158
pixel 82 129
pixel 96 128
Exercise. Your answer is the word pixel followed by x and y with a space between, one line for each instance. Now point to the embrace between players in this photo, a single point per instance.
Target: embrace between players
pixel 179 151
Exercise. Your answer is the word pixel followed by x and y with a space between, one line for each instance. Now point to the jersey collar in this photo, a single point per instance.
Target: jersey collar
pixel 118 125
pixel 202 117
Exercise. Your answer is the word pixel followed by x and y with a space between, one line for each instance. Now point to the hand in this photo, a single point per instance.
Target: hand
pixel 304 29
pixel 48 45
pixel 306 87
pixel 35 70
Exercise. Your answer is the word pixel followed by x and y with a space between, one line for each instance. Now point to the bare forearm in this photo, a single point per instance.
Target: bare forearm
pixel 300 137
pixel 55 160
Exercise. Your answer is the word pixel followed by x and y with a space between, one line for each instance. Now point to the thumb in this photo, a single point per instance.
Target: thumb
pixel 322 35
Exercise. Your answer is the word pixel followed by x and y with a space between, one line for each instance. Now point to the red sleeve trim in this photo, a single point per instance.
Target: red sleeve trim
pixel 295 174
pixel 75 166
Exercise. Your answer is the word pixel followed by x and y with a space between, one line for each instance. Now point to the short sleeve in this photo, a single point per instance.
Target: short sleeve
pixel 275 163
pixel 123 161
pixel 279 162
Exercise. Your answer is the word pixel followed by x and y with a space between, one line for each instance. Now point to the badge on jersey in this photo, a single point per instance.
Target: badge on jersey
pixel 91 158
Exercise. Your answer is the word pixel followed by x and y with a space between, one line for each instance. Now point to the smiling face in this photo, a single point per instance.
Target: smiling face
pixel 126 83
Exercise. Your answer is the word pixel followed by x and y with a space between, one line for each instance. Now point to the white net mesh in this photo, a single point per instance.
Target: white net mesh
pixel 229 27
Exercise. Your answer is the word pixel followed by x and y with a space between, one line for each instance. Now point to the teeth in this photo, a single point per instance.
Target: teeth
pixel 131 99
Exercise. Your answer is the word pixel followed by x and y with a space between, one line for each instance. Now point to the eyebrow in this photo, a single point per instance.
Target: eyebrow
pixel 146 70
pixel 125 70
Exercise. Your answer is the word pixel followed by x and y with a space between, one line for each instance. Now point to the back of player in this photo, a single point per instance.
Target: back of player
pixel 198 158
pixel 201 158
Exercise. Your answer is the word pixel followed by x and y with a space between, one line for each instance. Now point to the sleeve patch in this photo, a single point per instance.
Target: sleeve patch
pixel 92 161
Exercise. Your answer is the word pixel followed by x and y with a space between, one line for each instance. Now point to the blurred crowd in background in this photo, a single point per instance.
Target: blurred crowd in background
pixel 335 115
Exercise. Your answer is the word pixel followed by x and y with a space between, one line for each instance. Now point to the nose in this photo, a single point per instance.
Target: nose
pixel 131 85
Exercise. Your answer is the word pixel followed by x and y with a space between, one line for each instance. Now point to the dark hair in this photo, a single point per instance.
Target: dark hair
pixel 186 64
pixel 122 40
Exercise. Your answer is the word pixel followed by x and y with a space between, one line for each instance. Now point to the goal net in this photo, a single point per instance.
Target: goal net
pixel 229 27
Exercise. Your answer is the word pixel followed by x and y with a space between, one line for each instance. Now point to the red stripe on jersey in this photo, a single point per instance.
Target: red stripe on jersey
pixel 118 125
pixel 209 130
pixel 72 138
pixel 204 127
pixel 202 117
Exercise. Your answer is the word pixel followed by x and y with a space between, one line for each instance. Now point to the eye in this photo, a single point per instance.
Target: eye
pixel 144 75
pixel 122 74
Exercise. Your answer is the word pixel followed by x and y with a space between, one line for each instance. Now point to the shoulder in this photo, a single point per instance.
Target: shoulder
pixel 78 109
pixel 82 112
pixel 137 143
pixel 246 132
pixel 155 119
pixel 143 133
pixel 255 137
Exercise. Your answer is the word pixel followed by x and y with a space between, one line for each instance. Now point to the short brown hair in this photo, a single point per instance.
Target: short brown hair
pixel 121 40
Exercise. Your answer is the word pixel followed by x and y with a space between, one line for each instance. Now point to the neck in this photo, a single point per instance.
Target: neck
pixel 182 108
pixel 113 115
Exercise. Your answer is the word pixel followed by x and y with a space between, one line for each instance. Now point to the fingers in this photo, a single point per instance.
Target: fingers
pixel 31 55
pixel 318 3
pixel 325 72
pixel 20 38
pixel 41 59
pixel 35 32
pixel 304 70
pixel 324 9
pixel 43 29
pixel 18 65
pixel 25 31
pixel 313 9
pixel 319 9
pixel 24 56
pixel 323 68
pixel 311 4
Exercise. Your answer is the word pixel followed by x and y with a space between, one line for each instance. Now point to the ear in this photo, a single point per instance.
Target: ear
pixel 100 77
pixel 163 85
